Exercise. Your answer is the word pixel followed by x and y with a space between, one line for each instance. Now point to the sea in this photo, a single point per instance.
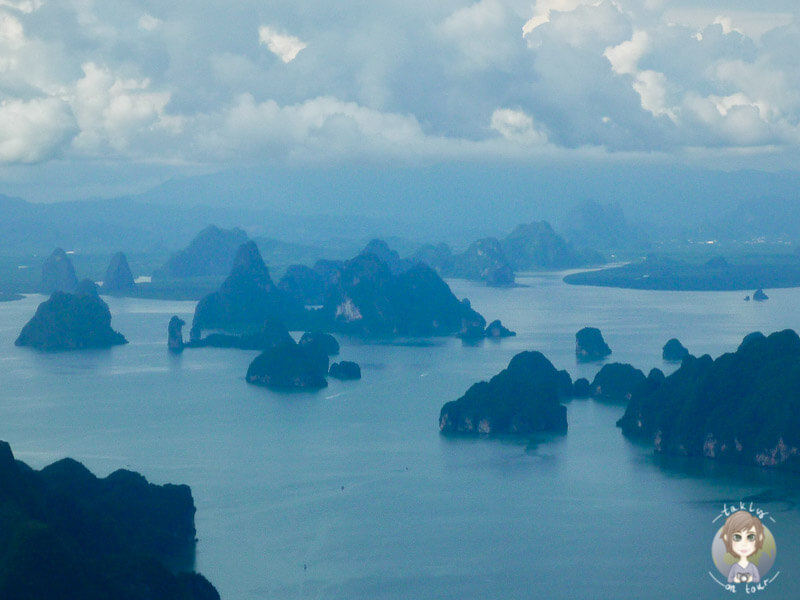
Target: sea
pixel 352 493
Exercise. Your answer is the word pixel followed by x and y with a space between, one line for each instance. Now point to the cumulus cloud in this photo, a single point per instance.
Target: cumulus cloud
pixel 113 112
pixel 181 81
pixel 624 58
pixel 286 47
pixel 318 126
pixel 35 130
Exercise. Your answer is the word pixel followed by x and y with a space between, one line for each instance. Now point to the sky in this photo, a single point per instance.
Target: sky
pixel 106 98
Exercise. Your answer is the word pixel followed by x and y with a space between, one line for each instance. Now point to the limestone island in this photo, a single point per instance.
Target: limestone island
pixel 345 369
pixel 523 399
pixel 71 322
pixel 289 366
pixel 58 274
pixel 118 279
pixel 740 408
pixel 530 246
pixel 362 297
pixel 590 345
pixel 674 351
pixel 64 533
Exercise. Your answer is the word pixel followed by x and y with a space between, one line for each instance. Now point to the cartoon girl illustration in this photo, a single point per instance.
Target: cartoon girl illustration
pixel 743 534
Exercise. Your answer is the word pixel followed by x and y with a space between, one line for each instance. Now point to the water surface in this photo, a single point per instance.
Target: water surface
pixel 351 493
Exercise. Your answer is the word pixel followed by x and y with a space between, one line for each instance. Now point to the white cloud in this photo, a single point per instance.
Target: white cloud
pixel 516 126
pixel 624 58
pixel 35 130
pixel 649 84
pixel 12 33
pixel 286 47
pixel 652 89
pixel 482 33
pixel 115 112
pixel 179 81
pixel 314 126
pixel 543 11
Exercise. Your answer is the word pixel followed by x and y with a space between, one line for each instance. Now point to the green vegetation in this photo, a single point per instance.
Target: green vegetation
pixel 741 407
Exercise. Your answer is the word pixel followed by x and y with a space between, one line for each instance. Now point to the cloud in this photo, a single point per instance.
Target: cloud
pixel 516 126
pixel 113 112
pixel 285 47
pixel 180 82
pixel 624 58
pixel 483 34
pixel 35 130
pixel 319 126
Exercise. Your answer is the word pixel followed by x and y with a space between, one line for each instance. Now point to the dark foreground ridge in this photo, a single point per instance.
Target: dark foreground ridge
pixel 65 534
pixel 71 322
pixel 741 407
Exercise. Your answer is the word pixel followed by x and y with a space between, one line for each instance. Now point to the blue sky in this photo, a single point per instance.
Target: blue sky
pixel 103 98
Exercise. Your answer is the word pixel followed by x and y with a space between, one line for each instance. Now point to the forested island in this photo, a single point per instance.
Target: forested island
pixel 741 407
pixel 71 322
pixel 362 296
pixel 718 274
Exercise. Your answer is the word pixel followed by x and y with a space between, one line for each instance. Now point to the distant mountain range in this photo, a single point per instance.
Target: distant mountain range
pixel 450 203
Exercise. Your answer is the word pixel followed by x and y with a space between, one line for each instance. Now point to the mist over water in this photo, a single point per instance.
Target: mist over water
pixel 352 493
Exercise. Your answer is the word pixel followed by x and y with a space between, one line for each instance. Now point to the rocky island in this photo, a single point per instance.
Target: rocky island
pixel 345 369
pixel 362 297
pixel 70 322
pixel 674 351
pixel 528 247
pixel 246 299
pixel 58 274
pixel 496 330
pixel 289 366
pixel 483 260
pixel 616 381
pixel 66 534
pixel 210 254
pixel 741 407
pixel 536 246
pixel 590 345
pixel 370 300
pixel 522 399
pixel 118 279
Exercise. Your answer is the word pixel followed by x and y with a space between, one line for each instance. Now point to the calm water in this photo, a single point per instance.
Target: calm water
pixel 351 493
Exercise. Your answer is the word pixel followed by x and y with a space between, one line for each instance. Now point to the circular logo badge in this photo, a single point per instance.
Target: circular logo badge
pixel 743 549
